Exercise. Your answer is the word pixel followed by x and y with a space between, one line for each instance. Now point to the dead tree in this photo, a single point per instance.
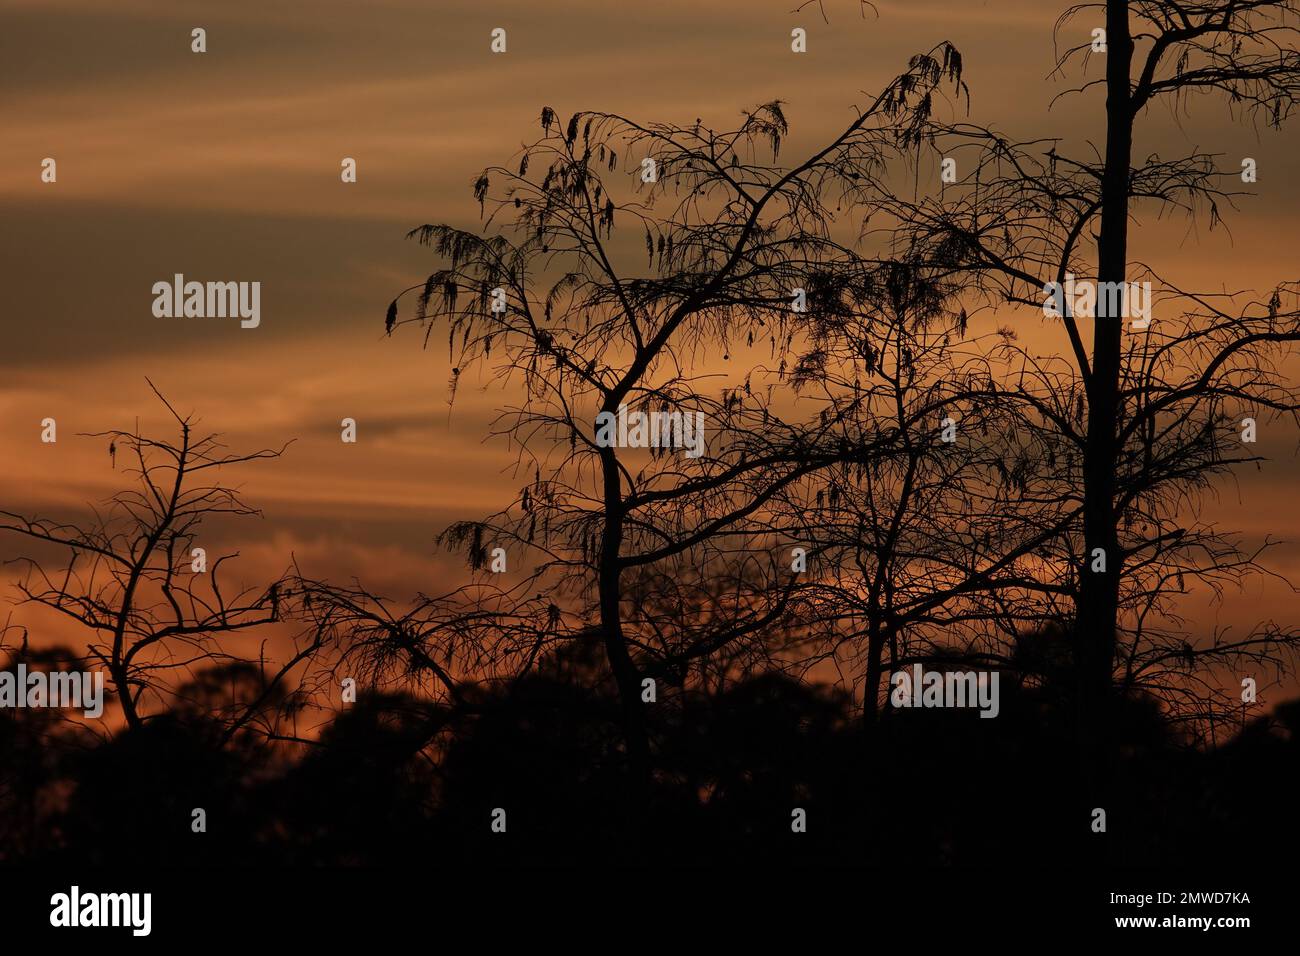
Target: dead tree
pixel 137 578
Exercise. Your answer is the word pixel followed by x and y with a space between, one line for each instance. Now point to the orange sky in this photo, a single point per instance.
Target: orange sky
pixel 225 165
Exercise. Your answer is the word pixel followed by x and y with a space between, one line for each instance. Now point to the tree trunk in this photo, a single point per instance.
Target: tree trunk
pixel 628 679
pixel 875 669
pixel 1097 609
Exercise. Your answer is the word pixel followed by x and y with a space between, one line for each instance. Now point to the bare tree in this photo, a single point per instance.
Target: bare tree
pixel 155 608
pixel 732 241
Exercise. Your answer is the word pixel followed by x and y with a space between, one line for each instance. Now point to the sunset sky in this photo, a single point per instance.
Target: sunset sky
pixel 225 166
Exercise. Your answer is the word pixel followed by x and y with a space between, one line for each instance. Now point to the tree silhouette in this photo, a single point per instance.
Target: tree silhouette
pixel 1145 418
pixel 130 576
pixel 1066 497
pixel 687 655
pixel 552 299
